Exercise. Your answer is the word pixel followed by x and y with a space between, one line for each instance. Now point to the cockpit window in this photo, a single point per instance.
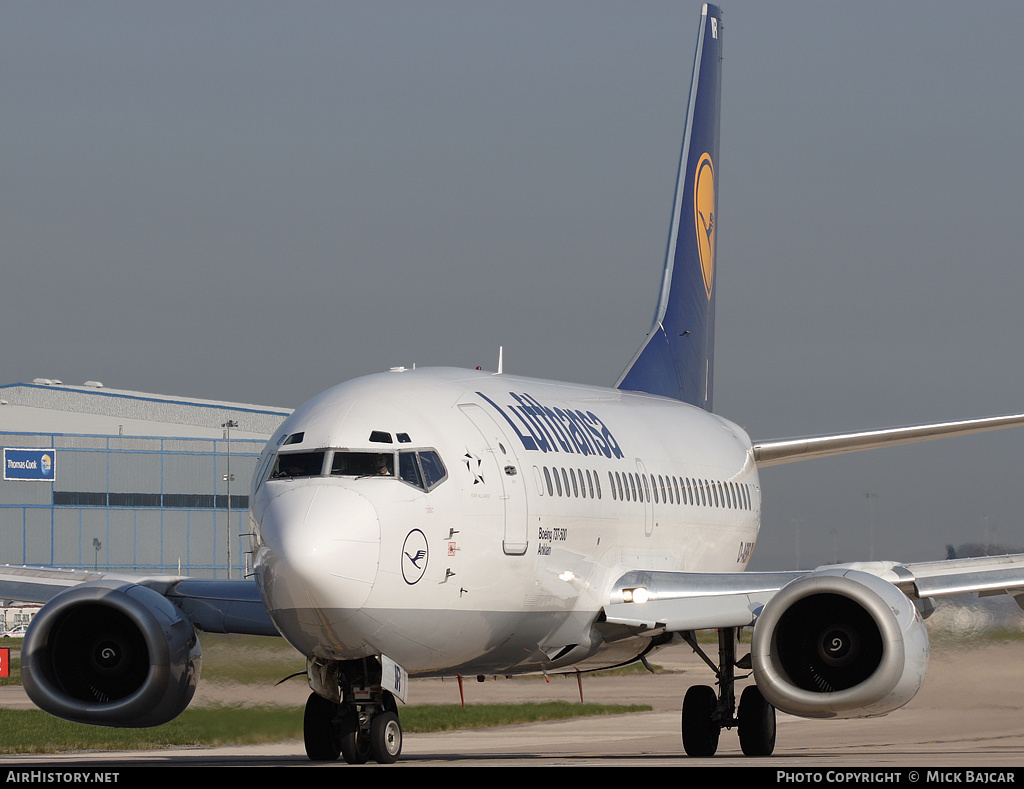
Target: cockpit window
pixel 298 464
pixel 421 468
pixel 363 464
pixel 433 469
pixel 409 469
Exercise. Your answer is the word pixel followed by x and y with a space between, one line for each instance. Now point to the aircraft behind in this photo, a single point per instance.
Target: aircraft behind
pixel 442 521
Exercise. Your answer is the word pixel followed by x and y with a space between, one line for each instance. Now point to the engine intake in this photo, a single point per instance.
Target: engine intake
pixel 111 653
pixel 839 643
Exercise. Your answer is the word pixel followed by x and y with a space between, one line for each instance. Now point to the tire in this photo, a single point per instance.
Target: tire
pixel 319 730
pixel 355 749
pixel 700 732
pixel 756 723
pixel 385 738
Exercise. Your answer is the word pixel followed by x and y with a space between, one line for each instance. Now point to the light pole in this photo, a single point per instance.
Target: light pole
pixel 872 498
pixel 227 478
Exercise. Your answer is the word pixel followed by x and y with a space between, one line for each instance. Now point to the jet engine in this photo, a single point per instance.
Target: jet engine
pixel 839 643
pixel 111 653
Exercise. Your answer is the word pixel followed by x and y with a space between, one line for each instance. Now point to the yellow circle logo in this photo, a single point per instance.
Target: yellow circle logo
pixel 704 217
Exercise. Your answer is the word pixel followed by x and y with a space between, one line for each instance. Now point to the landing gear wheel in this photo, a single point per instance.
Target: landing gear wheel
pixel 355 748
pixel 385 738
pixel 319 730
pixel 756 723
pixel 700 731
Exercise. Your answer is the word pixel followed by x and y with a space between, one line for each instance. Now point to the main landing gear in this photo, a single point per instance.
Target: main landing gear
pixel 362 727
pixel 706 713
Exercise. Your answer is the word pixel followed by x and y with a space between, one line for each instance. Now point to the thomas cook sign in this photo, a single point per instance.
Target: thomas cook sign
pixel 39 465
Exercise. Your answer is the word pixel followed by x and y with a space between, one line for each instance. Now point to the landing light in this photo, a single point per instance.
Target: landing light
pixel 638 595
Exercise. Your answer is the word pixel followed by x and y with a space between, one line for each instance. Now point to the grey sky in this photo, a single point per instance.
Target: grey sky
pixel 253 201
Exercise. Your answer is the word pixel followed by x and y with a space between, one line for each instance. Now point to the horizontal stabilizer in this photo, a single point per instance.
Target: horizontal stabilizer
pixel 788 450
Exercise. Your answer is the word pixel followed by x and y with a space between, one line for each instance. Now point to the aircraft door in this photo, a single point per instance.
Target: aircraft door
pixel 512 479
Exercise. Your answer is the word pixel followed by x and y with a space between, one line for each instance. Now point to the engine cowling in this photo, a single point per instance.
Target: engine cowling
pixel 839 643
pixel 111 653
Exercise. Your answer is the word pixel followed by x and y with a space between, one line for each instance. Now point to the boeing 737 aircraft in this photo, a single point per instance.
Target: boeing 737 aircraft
pixel 443 522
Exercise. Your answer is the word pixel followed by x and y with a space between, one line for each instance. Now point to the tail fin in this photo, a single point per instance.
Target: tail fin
pixel 677 358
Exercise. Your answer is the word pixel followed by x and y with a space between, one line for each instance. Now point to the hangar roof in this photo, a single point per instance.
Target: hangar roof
pixel 49 406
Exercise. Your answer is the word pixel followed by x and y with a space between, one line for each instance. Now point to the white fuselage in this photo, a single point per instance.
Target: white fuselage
pixel 550 493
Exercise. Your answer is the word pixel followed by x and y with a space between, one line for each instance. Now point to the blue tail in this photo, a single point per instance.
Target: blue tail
pixel 677 358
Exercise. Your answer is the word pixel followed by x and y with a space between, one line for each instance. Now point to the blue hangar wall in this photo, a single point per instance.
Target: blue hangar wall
pixel 120 480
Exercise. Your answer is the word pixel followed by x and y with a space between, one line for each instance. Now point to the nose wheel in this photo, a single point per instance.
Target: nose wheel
pixel 385 738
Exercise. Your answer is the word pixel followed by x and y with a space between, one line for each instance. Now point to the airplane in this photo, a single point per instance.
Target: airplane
pixel 441 522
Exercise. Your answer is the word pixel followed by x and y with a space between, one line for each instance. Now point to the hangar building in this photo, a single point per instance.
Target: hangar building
pixel 110 479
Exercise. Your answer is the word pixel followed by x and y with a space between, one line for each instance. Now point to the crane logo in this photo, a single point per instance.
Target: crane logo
pixel 414 556
pixel 704 218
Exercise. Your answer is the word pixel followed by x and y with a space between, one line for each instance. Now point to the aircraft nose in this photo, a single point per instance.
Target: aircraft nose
pixel 319 552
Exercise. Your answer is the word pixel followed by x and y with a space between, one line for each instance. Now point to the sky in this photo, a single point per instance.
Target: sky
pixel 253 201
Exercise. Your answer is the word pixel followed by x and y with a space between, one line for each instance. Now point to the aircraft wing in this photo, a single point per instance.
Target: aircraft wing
pixel 213 606
pixel 678 602
pixel 774 452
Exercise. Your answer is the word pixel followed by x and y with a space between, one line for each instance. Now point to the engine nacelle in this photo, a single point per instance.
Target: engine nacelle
pixel 111 653
pixel 839 643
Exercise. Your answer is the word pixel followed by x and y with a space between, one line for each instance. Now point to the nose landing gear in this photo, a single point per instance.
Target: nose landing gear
pixel 362 727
